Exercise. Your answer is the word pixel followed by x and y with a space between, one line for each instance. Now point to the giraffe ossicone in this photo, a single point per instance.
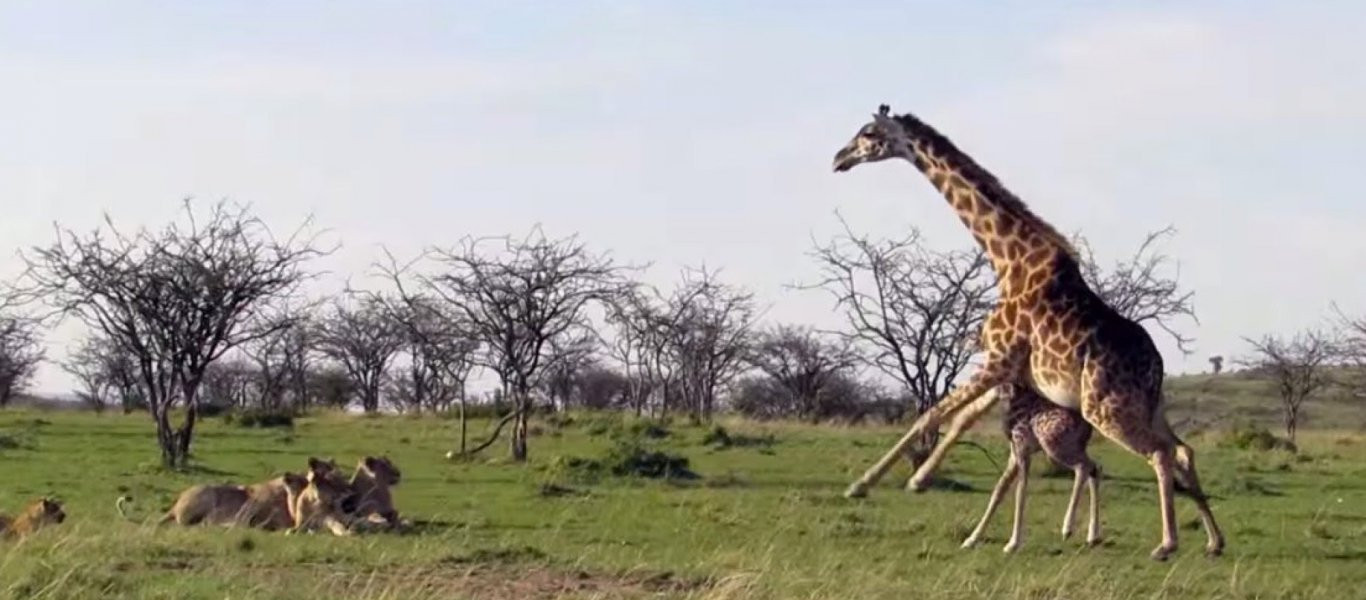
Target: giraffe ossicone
pixel 1049 332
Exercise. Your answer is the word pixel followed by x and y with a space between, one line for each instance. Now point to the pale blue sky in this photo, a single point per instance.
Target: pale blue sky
pixel 702 132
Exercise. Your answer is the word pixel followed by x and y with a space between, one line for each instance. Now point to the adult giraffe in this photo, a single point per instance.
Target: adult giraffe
pixel 1049 331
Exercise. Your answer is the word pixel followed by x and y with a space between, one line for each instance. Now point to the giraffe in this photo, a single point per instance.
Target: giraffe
pixel 1032 424
pixel 1048 332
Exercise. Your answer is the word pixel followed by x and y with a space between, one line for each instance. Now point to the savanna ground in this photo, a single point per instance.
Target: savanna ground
pixel 764 520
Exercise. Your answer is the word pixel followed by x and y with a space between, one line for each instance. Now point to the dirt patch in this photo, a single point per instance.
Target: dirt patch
pixel 493 581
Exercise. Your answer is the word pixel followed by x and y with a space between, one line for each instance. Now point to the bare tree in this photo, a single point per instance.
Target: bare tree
pixel 706 332
pixel 106 374
pixel 573 356
pixel 915 314
pixel 360 334
pixel 1138 288
pixel 21 351
pixel 516 297
pixel 1353 350
pixel 804 366
pixel 1300 368
pixel 281 359
pixel 174 300
pixel 1216 364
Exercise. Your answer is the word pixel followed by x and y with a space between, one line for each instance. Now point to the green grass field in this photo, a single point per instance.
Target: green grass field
pixel 765 520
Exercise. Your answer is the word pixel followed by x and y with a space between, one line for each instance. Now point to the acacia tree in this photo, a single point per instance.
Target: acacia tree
pixel 360 334
pixel 174 300
pixel 706 333
pixel 21 351
pixel 804 366
pixel 573 357
pixel 516 296
pixel 1353 350
pixel 1216 364
pixel 1300 368
pixel 281 359
pixel 913 313
pixel 105 374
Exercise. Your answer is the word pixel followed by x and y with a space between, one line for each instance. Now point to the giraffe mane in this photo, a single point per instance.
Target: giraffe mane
pixel 985 182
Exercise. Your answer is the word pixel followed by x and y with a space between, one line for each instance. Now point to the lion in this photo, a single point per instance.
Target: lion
pixel 38 514
pixel 267 505
pixel 371 482
pixel 320 502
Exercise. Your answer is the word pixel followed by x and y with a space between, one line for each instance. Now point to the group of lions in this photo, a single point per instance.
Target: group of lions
pixel 320 498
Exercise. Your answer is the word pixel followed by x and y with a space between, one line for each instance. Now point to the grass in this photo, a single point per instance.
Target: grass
pixel 765 520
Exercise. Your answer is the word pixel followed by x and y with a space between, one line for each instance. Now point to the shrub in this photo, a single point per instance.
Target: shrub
pixel 1253 437
pixel 263 418
pixel 721 439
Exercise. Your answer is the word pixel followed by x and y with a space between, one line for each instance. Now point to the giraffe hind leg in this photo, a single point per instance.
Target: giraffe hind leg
pixel 1116 418
pixel 1187 481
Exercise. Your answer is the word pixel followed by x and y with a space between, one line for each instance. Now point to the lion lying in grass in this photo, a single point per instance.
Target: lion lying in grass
pixel 320 501
pixel 374 505
pixel 38 514
pixel 268 505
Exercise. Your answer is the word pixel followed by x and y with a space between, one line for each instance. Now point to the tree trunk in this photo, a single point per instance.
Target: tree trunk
pixel 185 434
pixel 522 401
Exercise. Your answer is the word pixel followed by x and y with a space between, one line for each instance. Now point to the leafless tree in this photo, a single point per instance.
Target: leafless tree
pixel 706 332
pixel 442 346
pixel 281 358
pixel 174 300
pixel 1138 288
pixel 573 356
pixel 516 296
pixel 914 313
pixel 21 351
pixel 804 366
pixel 1353 349
pixel 360 334
pixel 105 373
pixel 231 382
pixel 439 354
pixel 1216 364
pixel 633 318
pixel 1300 368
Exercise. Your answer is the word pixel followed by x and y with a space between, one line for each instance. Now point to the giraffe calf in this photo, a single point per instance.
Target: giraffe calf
pixel 1033 423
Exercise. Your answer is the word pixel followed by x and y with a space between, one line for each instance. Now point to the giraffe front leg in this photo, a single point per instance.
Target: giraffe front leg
pixel 961 422
pixel 997 494
pixel 989 377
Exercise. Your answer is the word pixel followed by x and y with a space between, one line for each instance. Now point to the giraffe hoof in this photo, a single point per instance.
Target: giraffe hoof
pixel 1093 542
pixel 915 486
pixel 1214 551
pixel 858 489
pixel 1066 533
pixel 1161 553
pixel 971 542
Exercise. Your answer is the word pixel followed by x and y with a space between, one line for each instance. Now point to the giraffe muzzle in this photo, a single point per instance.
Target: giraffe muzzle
pixel 844 160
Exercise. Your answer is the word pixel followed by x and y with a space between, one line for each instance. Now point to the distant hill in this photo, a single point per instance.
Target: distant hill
pixel 1219 401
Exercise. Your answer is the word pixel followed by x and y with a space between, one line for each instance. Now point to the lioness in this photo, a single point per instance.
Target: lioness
pixel 39 513
pixel 371 482
pixel 320 501
pixel 267 505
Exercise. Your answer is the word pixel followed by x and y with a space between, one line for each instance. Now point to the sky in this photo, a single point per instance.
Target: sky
pixel 702 132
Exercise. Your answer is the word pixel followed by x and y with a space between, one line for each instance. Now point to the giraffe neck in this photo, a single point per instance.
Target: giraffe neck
pixel 1009 233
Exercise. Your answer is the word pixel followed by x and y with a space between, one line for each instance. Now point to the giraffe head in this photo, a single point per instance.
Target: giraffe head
pixel 880 139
